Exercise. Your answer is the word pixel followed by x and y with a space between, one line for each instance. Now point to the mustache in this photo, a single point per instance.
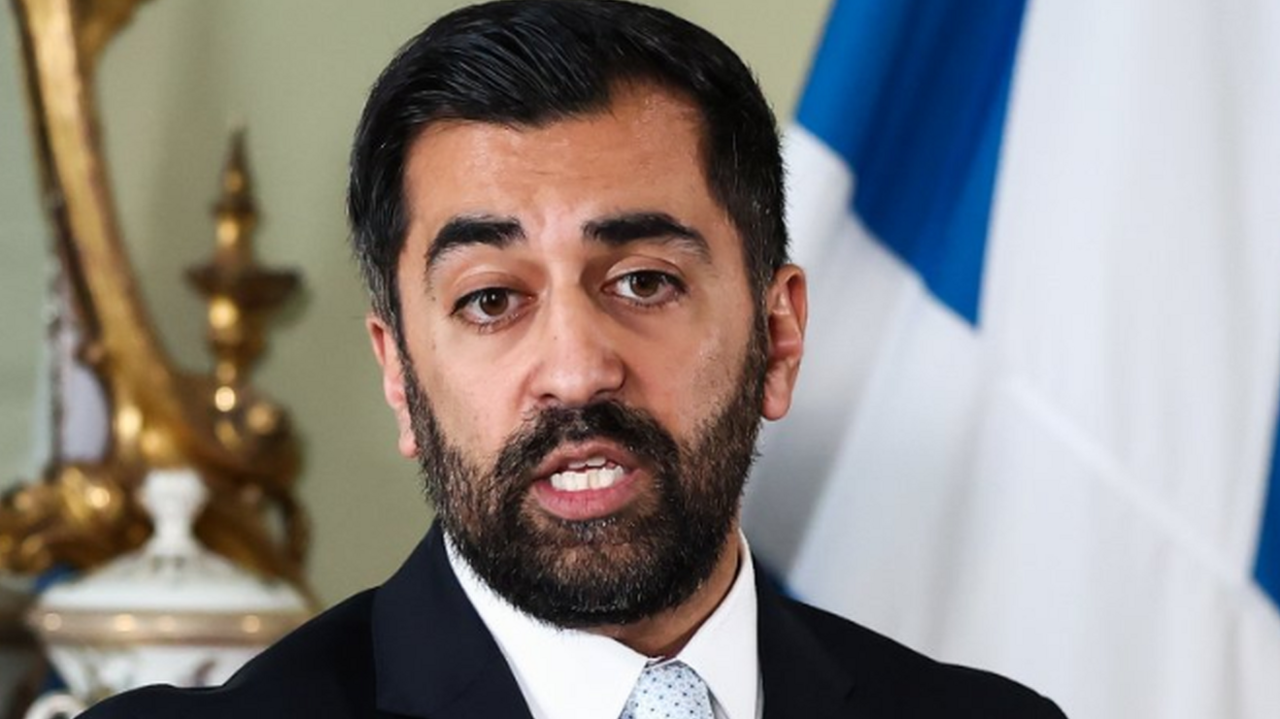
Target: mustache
pixel 634 429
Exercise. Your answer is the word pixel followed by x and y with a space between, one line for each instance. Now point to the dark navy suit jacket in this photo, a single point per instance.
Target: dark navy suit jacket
pixel 415 647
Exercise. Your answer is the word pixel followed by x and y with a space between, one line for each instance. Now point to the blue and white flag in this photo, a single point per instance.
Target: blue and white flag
pixel 1036 426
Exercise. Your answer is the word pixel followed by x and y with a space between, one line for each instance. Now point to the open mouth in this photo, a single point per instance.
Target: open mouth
pixel 594 473
pixel 588 481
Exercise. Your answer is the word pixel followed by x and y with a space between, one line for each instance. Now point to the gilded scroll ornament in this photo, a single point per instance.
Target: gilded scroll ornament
pixel 239 442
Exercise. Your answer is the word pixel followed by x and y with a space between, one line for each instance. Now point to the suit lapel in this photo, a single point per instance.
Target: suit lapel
pixel 435 658
pixel 799 676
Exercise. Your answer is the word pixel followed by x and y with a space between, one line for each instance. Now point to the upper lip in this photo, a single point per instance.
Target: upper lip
pixel 564 455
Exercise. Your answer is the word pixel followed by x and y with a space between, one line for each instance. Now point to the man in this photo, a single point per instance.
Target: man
pixel 570 218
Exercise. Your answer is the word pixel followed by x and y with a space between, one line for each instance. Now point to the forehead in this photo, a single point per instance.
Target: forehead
pixel 644 151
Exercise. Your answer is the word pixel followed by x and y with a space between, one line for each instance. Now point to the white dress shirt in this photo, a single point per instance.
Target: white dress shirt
pixel 573 674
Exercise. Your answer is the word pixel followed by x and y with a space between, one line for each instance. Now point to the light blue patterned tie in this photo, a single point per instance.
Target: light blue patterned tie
pixel 668 691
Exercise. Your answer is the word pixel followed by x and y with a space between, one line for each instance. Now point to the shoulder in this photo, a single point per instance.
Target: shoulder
pixel 892 679
pixel 322 669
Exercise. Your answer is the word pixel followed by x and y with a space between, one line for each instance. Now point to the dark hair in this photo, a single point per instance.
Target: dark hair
pixel 532 62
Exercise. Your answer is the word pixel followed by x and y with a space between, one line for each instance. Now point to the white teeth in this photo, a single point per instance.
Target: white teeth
pixel 597 477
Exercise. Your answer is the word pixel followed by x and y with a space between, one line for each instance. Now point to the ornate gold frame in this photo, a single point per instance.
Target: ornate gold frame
pixel 240 442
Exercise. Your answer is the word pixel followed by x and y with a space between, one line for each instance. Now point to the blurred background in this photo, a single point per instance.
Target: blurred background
pixel 295 74
pixel 1036 425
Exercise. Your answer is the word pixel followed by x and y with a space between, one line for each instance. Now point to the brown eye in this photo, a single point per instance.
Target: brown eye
pixel 489 307
pixel 648 288
pixel 493 302
pixel 644 285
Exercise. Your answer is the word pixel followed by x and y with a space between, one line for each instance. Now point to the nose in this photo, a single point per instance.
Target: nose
pixel 577 358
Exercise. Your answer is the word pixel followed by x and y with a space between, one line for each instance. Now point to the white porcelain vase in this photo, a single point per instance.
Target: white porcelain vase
pixel 170 613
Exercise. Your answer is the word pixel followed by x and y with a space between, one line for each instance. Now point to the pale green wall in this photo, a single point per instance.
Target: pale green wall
pixel 295 72
pixel 22 277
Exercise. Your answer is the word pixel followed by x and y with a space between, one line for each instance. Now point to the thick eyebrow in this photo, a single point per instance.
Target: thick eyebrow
pixel 473 230
pixel 623 229
pixel 615 231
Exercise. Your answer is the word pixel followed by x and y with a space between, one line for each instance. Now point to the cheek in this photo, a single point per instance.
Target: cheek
pixel 466 391
pixel 695 379
pixel 466 397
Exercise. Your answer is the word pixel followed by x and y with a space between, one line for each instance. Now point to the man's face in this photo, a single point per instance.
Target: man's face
pixel 583 366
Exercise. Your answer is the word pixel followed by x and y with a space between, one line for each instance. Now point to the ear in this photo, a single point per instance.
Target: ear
pixel 387 351
pixel 787 310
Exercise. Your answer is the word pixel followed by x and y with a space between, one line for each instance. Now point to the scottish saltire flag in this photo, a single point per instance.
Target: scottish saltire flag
pixel 1036 425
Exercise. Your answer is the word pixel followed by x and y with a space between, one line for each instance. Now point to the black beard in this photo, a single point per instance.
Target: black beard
pixel 614 570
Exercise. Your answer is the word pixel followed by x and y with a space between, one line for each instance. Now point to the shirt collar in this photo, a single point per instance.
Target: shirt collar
pixel 567 673
pixel 723 651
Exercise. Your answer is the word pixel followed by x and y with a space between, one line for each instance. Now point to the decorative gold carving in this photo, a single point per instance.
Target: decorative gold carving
pixel 240 294
pixel 102 629
pixel 97 22
pixel 240 442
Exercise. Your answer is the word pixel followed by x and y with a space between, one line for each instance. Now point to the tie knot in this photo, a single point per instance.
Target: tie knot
pixel 671 690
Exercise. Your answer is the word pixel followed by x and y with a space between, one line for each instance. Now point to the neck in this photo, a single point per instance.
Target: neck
pixel 666 633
